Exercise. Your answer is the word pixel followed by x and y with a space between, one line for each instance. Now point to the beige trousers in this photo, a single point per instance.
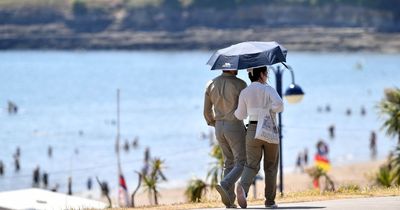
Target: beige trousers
pixel 255 150
pixel 231 136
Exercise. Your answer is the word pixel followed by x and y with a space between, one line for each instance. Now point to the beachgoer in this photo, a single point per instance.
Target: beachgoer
pixel 89 183
pixel 363 111
pixel 126 145
pixel 251 100
pixel 328 108
pixel 372 144
pixel 305 157
pixel 12 108
pixel 331 130
pixel 1 168
pixel 135 142
pixel 322 148
pixel 36 177
pixel 49 151
pixel 45 180
pixel 18 152
pixel 16 162
pixel 69 185
pixel 348 112
pixel 299 161
pixel 220 101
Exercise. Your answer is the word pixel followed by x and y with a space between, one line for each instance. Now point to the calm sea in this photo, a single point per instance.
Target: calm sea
pixel 67 100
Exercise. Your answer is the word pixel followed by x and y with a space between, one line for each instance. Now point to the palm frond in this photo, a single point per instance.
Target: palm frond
pixel 389 110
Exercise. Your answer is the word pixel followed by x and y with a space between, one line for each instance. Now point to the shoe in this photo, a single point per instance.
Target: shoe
pixel 231 206
pixel 224 195
pixel 241 196
pixel 272 206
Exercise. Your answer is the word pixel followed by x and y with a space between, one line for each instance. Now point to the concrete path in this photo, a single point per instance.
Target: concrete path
pixel 373 203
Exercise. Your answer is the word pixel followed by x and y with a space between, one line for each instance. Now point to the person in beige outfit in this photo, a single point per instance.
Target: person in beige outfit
pixel 251 100
pixel 220 102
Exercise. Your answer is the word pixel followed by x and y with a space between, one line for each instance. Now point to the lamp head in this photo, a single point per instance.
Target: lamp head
pixel 294 94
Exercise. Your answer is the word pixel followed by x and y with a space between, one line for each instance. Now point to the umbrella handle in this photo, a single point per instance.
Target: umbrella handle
pixel 291 71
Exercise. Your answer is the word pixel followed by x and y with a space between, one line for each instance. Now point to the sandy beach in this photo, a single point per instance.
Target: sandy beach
pixel 359 174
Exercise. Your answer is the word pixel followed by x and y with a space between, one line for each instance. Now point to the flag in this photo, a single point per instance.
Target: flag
pixel 123 197
pixel 322 162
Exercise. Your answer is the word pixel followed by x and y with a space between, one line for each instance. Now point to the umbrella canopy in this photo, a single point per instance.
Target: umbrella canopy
pixel 247 55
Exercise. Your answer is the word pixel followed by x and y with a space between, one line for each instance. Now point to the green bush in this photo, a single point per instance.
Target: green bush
pixel 395 167
pixel 195 190
pixel 384 177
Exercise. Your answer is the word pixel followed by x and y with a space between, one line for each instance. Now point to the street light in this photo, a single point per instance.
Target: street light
pixel 293 94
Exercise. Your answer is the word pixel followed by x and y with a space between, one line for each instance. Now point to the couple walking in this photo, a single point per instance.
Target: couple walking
pixel 228 101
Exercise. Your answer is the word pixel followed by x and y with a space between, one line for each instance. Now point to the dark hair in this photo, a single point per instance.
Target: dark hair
pixel 257 73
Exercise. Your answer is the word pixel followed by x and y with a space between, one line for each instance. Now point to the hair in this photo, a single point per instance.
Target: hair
pixel 255 75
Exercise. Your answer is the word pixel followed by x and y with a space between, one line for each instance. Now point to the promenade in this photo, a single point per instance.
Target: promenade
pixel 378 203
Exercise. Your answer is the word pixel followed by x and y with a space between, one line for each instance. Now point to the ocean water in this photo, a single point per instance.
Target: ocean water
pixel 67 100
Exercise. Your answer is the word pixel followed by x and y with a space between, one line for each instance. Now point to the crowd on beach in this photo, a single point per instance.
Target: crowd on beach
pixel 41 178
pixel 322 146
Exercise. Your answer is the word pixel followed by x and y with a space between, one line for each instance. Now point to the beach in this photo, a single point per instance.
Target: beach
pixel 353 174
pixel 67 100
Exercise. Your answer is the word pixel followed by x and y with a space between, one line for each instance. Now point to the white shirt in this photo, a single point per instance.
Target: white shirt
pixel 254 98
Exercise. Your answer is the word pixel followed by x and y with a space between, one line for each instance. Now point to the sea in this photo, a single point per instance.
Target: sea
pixel 67 100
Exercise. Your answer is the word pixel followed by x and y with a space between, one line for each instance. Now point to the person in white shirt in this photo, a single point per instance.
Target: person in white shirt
pixel 251 100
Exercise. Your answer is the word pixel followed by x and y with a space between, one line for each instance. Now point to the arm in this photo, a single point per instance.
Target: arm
pixel 241 111
pixel 276 100
pixel 208 112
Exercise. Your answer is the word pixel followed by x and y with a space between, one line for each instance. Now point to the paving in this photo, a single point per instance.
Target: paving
pixel 372 203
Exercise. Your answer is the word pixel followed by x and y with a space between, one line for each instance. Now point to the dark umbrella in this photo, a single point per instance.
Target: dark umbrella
pixel 248 55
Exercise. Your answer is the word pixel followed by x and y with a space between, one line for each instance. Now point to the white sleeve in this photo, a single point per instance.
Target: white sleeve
pixel 276 100
pixel 241 111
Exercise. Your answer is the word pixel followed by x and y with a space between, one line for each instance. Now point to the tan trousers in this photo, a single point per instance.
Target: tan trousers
pixel 255 149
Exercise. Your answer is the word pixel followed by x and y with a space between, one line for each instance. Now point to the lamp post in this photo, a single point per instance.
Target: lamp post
pixel 293 94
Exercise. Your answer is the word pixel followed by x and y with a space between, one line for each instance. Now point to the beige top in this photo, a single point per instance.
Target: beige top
pixel 221 98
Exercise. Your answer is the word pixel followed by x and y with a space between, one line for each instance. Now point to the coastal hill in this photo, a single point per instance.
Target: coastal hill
pixel 312 25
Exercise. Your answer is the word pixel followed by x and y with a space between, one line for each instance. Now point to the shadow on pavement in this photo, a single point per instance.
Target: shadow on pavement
pixel 293 207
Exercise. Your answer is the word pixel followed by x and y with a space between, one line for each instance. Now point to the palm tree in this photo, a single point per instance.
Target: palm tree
pixel 390 107
pixel 152 179
pixel 215 172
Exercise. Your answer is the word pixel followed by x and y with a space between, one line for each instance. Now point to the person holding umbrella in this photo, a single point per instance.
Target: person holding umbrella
pixel 222 94
pixel 220 102
pixel 251 100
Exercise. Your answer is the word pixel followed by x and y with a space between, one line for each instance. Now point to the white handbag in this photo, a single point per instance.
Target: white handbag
pixel 266 126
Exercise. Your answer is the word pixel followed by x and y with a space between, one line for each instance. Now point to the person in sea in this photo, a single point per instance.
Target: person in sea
pixel 372 145
pixel 220 101
pixel 251 100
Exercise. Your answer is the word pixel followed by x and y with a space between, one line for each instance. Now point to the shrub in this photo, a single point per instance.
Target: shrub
pixel 195 190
